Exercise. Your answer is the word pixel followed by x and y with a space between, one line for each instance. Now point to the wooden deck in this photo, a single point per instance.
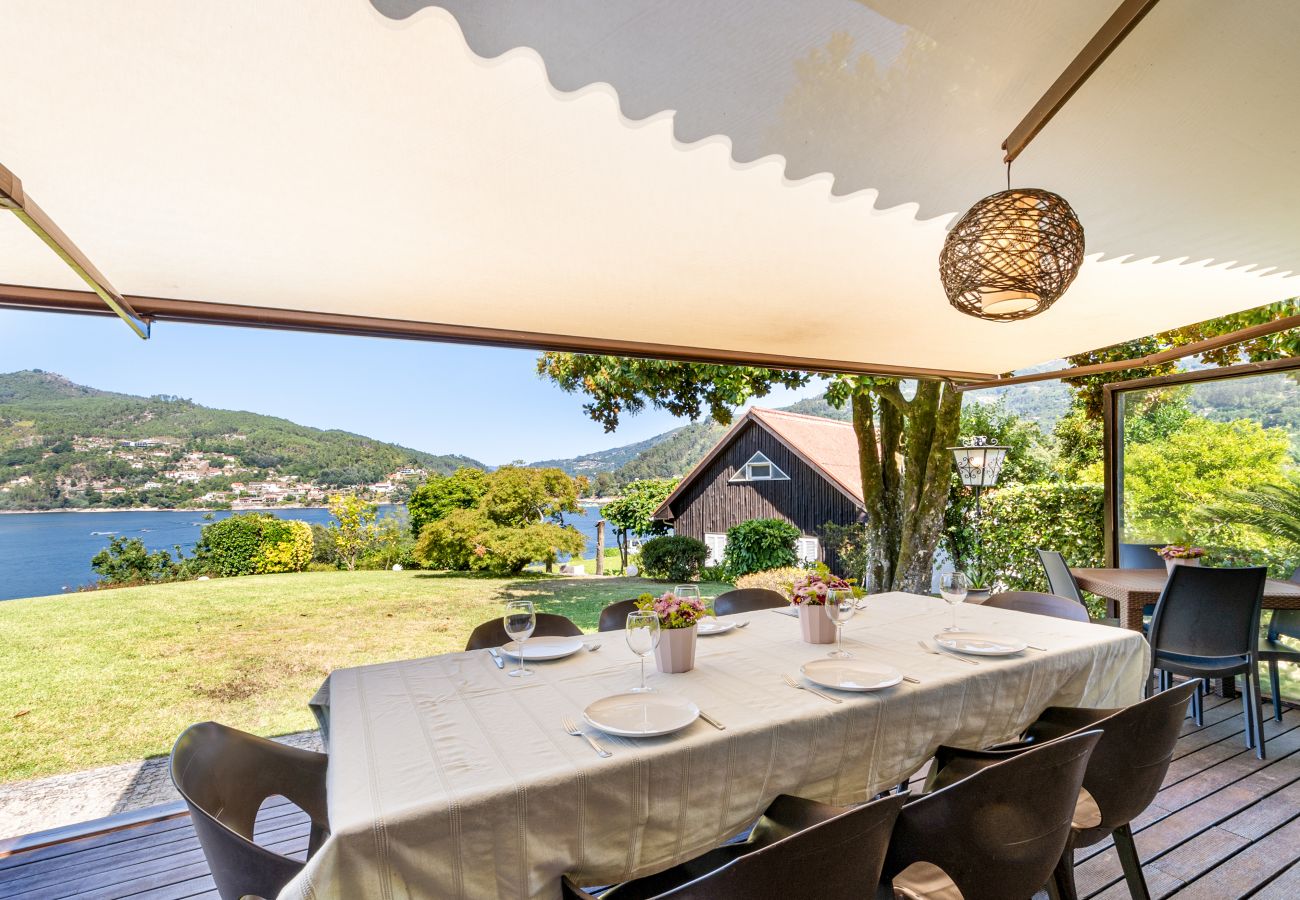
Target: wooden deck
pixel 1225 825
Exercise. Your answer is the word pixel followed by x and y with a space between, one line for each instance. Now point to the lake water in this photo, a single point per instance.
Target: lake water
pixel 49 553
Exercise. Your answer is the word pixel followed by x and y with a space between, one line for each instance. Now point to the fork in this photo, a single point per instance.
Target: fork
pixel 928 649
pixel 572 728
pixel 803 687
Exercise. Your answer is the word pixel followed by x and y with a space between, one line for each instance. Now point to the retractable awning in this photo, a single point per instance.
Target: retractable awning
pixel 417 170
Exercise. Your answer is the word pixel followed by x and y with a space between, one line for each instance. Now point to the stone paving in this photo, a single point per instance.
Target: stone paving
pixel 42 803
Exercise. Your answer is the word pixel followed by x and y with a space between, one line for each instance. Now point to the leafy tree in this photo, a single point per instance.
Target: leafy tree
pixel 1271 508
pixel 518 518
pixel 632 512
pixel 127 561
pixel 354 530
pixel 442 494
pixel 902 441
pixel 759 545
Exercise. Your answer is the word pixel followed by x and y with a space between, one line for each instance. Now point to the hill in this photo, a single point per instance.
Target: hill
pixel 604 460
pixel 65 445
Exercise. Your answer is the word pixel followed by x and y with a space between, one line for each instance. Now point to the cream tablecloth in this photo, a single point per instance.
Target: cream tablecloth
pixel 449 779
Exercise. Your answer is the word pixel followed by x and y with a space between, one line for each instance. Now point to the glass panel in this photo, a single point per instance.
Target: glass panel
pixel 760 471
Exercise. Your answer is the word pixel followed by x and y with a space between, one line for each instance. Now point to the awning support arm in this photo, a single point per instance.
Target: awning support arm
pixel 1153 359
pixel 1094 53
pixel 13 198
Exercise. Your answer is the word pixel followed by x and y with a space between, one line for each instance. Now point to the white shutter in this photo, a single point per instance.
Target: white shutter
pixel 717 544
pixel 808 549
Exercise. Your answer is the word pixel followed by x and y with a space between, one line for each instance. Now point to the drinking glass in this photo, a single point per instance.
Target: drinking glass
pixel 691 591
pixel 642 637
pixel 839 609
pixel 952 588
pixel 520 620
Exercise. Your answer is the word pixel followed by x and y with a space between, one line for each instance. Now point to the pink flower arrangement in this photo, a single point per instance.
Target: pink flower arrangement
pixel 814 587
pixel 673 611
pixel 1176 551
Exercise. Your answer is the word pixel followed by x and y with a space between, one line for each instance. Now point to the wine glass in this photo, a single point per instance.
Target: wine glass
pixel 519 621
pixel 952 588
pixel 690 591
pixel 839 609
pixel 642 637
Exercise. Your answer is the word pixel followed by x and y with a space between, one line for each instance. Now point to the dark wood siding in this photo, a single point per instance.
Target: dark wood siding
pixel 712 503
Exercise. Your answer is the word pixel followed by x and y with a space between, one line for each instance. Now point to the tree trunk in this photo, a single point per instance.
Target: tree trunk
pixel 600 547
pixel 904 457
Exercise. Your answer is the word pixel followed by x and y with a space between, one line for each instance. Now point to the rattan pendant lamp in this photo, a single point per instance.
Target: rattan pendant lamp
pixel 1012 255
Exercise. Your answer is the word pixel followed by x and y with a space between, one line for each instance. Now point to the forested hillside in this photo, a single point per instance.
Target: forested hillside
pixel 60 442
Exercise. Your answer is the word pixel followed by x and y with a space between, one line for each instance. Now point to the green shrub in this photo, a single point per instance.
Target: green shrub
pixel 126 561
pixel 250 544
pixel 674 557
pixel 779 580
pixel 470 539
pixel 760 544
pixel 1021 518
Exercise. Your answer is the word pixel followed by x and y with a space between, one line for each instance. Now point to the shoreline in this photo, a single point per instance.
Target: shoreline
pixel 163 509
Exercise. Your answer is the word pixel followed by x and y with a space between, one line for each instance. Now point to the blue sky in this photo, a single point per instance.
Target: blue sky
pixel 483 402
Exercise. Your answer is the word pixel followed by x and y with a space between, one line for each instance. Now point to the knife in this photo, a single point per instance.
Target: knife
pixel 496 657
pixel 712 721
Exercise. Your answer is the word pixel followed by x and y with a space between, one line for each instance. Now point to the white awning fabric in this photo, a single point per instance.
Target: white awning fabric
pixel 355 159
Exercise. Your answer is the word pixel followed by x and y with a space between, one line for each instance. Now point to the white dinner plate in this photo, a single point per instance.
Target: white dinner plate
pixel 851 674
pixel 539 649
pixel 706 627
pixel 641 715
pixel 977 644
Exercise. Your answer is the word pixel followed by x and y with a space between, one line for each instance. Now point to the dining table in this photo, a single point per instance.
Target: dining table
pixel 1132 589
pixel 448 778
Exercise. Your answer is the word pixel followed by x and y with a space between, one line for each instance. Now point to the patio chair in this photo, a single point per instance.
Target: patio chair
pixel 1123 776
pixel 995 834
pixel 225 776
pixel 1206 625
pixel 747 600
pixel 614 616
pixel 1283 623
pixel 798 850
pixel 1060 581
pixel 492 633
pixel 1040 604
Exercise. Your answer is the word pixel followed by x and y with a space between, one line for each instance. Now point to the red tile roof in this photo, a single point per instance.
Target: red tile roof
pixel 825 444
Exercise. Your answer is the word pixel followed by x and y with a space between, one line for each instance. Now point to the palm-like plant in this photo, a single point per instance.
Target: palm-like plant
pixel 1272 508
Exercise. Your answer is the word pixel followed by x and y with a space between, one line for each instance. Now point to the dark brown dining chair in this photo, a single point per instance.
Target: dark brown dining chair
pixel 225 776
pixel 492 633
pixel 747 600
pixel 1124 772
pixel 996 834
pixel 1283 623
pixel 798 850
pixel 614 616
pixel 1039 604
pixel 1206 625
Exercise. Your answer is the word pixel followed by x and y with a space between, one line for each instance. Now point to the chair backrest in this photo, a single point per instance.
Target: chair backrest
pixel 1133 755
pixel 1140 556
pixel 1285 622
pixel 999 832
pixel 837 858
pixel 747 600
pixel 1060 580
pixel 225 776
pixel 614 616
pixel 1039 604
pixel 1209 612
pixel 492 633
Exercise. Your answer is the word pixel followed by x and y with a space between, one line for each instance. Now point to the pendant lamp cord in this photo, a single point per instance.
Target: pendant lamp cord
pixel 1008 174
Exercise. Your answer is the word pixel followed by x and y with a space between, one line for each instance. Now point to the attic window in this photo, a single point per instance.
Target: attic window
pixel 759 468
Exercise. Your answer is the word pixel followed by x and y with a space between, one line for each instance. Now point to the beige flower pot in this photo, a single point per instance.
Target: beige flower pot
pixel 1170 563
pixel 676 650
pixel 816 626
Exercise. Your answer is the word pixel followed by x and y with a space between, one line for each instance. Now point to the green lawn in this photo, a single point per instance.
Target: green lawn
pixel 110 676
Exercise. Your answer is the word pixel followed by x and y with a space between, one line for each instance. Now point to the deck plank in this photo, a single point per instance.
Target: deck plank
pixel 1224 825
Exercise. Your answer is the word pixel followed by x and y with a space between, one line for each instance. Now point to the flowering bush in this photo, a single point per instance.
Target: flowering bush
pixel 673 611
pixel 812 588
pixel 1175 551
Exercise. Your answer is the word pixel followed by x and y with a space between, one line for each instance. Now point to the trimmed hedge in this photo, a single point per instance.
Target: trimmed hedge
pixel 1020 518
pixel 673 557
pixel 759 545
